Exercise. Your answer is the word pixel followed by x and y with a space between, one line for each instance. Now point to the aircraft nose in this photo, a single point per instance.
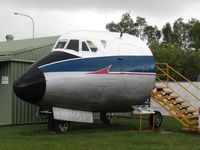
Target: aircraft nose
pixel 31 86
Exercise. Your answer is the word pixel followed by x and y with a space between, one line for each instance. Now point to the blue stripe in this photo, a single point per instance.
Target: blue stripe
pixel 119 64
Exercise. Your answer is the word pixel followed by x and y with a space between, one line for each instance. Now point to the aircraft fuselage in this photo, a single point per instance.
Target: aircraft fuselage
pixel 113 77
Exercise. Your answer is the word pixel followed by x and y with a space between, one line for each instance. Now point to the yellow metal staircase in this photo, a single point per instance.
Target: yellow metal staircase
pixel 172 101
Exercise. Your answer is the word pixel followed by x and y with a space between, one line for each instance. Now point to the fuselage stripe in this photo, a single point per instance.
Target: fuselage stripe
pixel 121 64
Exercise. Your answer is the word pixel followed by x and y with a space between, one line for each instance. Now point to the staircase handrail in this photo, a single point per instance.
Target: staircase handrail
pixel 185 78
pixel 178 82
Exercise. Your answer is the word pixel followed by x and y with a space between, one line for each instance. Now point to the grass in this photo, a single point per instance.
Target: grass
pixel 121 135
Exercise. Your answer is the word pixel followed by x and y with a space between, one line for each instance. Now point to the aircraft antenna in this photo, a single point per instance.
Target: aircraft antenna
pixel 121 31
pixel 121 34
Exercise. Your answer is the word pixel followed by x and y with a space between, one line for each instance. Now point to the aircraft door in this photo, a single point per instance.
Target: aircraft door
pixel 114 47
pixel 127 65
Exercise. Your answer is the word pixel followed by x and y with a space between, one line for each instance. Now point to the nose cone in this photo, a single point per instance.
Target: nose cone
pixel 31 86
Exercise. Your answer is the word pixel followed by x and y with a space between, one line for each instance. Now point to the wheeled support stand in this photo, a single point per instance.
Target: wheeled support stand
pixel 57 125
pixel 155 120
pixel 106 118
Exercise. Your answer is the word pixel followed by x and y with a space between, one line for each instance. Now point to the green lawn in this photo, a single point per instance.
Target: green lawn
pixel 121 134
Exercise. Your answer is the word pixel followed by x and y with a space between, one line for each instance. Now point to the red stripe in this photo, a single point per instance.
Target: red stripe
pixel 106 71
pixel 102 71
pixel 132 73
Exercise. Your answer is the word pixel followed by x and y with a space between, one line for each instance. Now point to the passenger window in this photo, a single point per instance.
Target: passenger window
pixel 85 47
pixel 74 45
pixel 60 45
pixel 92 46
pixel 104 43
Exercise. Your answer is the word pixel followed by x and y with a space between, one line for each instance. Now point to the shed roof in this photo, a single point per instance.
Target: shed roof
pixel 18 46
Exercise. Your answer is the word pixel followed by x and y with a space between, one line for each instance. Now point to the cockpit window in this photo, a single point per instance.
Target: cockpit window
pixel 92 46
pixel 104 43
pixel 73 45
pixel 85 47
pixel 60 44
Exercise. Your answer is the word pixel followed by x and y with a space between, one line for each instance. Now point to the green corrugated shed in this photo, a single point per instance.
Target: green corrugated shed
pixel 15 57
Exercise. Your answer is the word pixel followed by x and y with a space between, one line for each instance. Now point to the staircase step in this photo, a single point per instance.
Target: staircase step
pixel 166 93
pixel 175 102
pixel 162 99
pixel 194 122
pixel 188 111
pixel 163 93
pixel 180 107
pixel 193 128
pixel 156 93
pixel 169 97
pixel 191 117
pixel 160 88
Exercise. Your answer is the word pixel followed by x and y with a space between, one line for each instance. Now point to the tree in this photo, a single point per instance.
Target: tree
pixel 139 28
pixel 126 23
pixel 151 34
pixel 112 27
pixel 141 24
pixel 181 33
pixel 167 33
pixel 194 34
pixel 185 62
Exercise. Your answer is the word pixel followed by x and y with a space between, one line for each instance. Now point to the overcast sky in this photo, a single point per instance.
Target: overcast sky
pixel 55 17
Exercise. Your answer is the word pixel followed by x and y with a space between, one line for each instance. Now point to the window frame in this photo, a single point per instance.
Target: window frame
pixel 93 44
pixel 66 43
pixel 89 50
pixel 104 43
pixel 73 49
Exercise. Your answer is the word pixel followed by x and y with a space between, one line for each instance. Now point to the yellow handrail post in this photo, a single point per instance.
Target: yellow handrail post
pixel 167 76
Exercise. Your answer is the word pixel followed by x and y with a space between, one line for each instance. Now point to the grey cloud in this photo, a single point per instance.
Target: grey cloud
pixel 49 14
pixel 148 7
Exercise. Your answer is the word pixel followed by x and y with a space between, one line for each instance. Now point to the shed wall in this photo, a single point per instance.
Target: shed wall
pixel 22 112
pixel 5 94
pixel 15 59
pixel 12 109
